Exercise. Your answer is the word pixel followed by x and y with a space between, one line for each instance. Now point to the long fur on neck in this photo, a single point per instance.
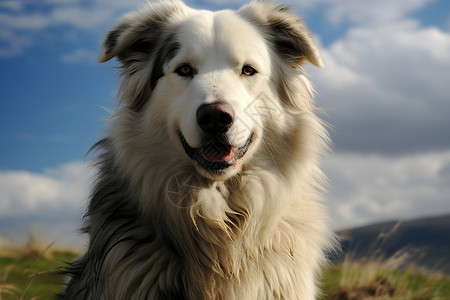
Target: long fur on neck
pixel 182 236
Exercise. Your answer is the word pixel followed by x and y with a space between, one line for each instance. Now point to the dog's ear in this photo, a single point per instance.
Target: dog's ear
pixel 285 30
pixel 140 30
pixel 112 46
pixel 140 42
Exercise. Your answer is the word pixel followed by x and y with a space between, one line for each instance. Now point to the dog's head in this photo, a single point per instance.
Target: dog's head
pixel 217 84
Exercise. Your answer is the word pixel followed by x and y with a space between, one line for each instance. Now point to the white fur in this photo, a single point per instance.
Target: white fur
pixel 254 231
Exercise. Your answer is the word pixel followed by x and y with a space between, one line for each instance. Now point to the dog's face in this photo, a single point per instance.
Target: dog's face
pixel 211 80
pixel 220 67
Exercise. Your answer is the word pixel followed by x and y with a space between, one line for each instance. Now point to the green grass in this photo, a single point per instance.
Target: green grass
pixel 30 273
pixel 378 280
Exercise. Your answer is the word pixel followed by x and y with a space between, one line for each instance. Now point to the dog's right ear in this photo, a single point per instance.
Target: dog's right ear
pixel 140 30
pixel 137 41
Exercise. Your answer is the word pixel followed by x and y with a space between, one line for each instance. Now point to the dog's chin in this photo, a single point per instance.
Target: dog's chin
pixel 216 158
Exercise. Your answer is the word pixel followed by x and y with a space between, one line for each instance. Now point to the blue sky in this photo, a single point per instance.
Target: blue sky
pixel 385 90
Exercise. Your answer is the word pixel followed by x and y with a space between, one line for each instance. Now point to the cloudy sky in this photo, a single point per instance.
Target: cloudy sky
pixel 385 89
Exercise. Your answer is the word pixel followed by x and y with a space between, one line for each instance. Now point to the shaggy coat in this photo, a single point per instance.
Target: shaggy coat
pixel 169 220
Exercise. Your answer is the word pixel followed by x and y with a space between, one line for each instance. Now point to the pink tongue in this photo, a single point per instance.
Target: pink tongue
pixel 216 155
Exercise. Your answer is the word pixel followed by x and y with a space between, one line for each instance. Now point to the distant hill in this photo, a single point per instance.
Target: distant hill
pixel 427 242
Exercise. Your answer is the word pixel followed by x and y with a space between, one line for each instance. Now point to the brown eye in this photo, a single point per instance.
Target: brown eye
pixel 248 70
pixel 185 70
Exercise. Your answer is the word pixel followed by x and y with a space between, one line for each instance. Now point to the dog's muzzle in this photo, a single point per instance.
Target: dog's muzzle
pixel 216 153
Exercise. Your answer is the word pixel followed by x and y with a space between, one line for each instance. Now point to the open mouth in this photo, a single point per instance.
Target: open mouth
pixel 216 154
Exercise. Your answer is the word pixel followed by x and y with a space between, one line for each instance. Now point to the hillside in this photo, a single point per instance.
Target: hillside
pixel 424 243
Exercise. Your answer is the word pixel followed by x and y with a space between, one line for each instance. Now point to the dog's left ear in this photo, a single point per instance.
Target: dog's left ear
pixel 285 30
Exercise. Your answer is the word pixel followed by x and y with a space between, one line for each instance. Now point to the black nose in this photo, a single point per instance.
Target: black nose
pixel 215 118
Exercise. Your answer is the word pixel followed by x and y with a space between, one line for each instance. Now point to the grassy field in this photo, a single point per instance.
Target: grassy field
pixel 32 273
pixel 354 281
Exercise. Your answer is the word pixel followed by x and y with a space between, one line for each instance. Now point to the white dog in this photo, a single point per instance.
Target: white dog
pixel 208 184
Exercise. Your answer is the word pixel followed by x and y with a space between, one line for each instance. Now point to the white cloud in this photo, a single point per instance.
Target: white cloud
pixel 80 56
pixel 15 43
pixel 372 12
pixel 370 188
pixel 32 22
pixel 386 88
pixel 51 203
pixel 11 5
pixel 23 192
pixel 81 17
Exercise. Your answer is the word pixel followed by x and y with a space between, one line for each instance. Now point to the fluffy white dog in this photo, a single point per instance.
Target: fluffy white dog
pixel 208 183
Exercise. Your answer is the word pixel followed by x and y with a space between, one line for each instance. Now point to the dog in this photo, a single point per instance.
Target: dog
pixel 208 181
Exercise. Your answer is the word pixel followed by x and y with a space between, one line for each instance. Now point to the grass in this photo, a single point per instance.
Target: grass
pixel 356 281
pixel 383 278
pixel 31 272
pixel 377 277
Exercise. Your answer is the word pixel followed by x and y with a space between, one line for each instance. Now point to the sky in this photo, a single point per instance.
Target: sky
pixel 385 91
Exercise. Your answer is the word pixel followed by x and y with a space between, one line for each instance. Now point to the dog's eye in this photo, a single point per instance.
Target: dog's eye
pixel 248 70
pixel 185 70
